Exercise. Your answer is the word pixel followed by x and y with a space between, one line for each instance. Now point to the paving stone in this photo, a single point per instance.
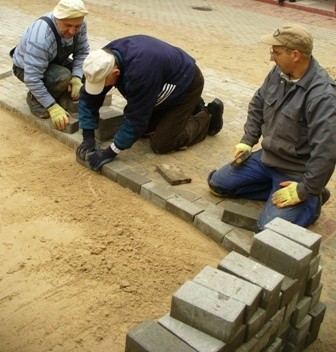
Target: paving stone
pixel 269 280
pixel 317 313
pixel 276 321
pixel 132 180
pixel 183 208
pixel 255 323
pixel 111 170
pixel 314 282
pixel 315 296
pixel 298 234
pixel 156 193
pixel 196 339
pixel 276 346
pixel 298 333
pixel 289 288
pixel 149 336
pixel 211 312
pixel 109 123
pixel 173 174
pixel 211 225
pixel 72 126
pixel 301 310
pixel 238 242
pixel 231 286
pixel 240 216
pixel 281 254
pixel 313 266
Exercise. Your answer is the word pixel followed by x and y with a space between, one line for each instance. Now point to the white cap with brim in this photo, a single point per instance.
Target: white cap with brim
pixel 96 67
pixel 70 9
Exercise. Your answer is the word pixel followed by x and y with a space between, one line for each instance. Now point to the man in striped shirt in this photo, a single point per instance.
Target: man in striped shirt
pixel 162 86
pixel 42 60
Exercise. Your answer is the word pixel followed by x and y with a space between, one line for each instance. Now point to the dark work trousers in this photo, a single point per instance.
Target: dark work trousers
pixel 56 78
pixel 177 127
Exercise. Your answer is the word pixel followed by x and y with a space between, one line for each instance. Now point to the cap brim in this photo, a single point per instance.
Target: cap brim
pixel 94 88
pixel 271 40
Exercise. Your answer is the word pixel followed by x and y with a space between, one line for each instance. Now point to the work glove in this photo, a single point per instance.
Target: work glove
pixel 74 87
pixel 241 148
pixel 87 146
pixel 100 157
pixel 287 195
pixel 59 116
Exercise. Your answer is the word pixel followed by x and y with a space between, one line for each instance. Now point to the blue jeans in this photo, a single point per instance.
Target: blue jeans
pixel 253 180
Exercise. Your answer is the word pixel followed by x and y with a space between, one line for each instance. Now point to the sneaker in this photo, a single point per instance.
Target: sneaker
pixel 216 110
pixel 36 108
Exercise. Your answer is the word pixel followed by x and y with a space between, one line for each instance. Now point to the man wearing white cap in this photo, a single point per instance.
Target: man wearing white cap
pixel 41 60
pixel 162 86
pixel 294 115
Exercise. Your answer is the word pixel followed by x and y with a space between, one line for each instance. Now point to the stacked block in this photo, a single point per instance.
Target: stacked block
pixel 266 301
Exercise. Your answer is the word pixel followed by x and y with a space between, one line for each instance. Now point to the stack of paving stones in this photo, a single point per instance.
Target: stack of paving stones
pixel 266 301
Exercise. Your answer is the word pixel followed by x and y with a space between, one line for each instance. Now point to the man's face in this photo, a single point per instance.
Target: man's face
pixel 283 57
pixel 69 27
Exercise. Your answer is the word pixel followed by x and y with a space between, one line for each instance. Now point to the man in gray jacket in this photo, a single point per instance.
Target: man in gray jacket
pixel 294 114
pixel 41 60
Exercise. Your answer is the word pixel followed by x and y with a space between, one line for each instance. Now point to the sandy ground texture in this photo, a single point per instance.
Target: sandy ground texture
pixel 83 260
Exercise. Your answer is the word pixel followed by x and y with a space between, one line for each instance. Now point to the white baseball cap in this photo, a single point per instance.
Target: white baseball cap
pixel 96 67
pixel 70 9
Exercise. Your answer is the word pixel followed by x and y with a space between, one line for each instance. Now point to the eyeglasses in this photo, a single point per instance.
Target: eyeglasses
pixel 278 53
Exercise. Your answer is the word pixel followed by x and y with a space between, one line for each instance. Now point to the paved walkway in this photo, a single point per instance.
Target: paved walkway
pixel 237 18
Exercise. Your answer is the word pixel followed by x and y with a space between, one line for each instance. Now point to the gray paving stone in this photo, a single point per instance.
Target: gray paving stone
pixel 149 336
pixel 211 225
pixel 196 339
pixel 183 208
pixel 298 333
pixel 301 310
pixel 241 216
pixel 317 313
pixel 314 282
pixel 231 286
pixel 298 234
pixel 156 193
pixel 281 254
pixel 269 280
pixel 211 312
pixel 132 180
pixel 238 242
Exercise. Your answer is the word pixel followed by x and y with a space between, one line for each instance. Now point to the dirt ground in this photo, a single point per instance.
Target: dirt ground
pixel 83 260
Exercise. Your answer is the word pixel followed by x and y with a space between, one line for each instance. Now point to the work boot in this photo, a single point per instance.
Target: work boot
pixel 36 108
pixel 216 110
pixel 323 198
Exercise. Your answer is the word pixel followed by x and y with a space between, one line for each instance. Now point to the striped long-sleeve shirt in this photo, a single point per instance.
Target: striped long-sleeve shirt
pixel 38 48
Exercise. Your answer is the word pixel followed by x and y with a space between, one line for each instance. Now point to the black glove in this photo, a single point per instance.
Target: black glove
pixel 87 146
pixel 100 157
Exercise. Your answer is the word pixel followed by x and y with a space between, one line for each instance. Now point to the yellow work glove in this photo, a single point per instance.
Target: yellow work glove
pixel 74 87
pixel 241 148
pixel 59 116
pixel 286 196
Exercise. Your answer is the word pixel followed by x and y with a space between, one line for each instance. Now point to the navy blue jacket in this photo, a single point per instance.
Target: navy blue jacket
pixel 153 75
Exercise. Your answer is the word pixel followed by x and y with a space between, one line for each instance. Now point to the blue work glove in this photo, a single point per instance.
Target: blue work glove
pixel 287 195
pixel 100 157
pixel 87 146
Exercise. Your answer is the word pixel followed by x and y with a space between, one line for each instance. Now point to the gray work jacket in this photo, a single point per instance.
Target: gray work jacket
pixel 297 126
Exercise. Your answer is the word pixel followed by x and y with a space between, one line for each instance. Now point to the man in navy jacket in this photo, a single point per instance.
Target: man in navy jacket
pixel 162 86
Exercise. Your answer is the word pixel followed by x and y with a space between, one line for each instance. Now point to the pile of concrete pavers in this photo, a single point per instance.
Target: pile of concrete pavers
pixel 266 301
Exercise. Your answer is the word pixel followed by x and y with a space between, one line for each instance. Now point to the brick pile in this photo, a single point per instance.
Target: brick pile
pixel 266 301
